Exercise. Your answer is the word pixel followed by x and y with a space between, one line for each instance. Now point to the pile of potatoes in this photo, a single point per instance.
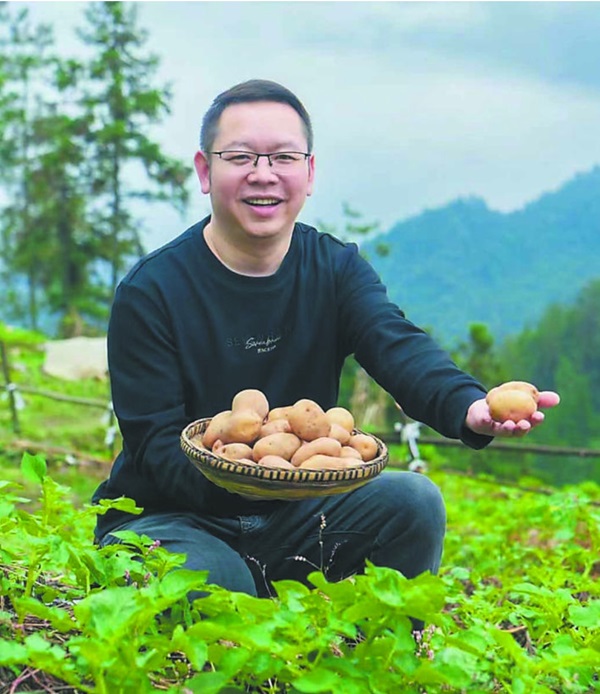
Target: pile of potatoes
pixel 300 436
pixel 515 400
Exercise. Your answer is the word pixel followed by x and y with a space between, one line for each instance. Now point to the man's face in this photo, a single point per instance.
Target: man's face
pixel 256 201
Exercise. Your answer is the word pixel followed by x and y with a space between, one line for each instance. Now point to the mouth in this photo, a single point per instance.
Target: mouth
pixel 262 202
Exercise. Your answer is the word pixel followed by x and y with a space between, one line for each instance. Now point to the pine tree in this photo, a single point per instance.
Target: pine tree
pixel 123 103
pixel 25 66
pixel 478 357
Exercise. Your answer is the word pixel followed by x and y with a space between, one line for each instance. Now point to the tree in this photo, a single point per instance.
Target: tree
pixel 123 103
pixel 577 423
pixel 561 353
pixel 25 65
pixel 74 157
pixel 477 356
pixel 355 230
pixel 46 235
pixel 69 248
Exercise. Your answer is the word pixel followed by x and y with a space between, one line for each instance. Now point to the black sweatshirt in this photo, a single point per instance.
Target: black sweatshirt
pixel 186 334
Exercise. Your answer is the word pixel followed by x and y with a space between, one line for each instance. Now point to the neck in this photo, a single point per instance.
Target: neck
pixel 251 257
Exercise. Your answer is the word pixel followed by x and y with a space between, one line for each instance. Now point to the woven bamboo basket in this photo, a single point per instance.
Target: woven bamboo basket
pixel 258 482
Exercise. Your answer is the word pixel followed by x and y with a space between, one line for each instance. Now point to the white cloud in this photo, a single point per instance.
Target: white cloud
pixel 414 103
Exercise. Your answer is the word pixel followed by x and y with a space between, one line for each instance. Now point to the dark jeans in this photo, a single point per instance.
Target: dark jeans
pixel 396 520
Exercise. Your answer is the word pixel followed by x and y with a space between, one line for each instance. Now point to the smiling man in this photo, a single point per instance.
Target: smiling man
pixel 251 298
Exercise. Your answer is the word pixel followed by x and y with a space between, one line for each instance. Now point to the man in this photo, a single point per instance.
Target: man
pixel 250 298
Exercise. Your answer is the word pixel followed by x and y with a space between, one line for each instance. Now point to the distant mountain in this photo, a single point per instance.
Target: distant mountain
pixel 464 263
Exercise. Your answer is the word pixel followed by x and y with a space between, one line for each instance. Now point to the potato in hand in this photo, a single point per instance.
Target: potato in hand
pixel 512 401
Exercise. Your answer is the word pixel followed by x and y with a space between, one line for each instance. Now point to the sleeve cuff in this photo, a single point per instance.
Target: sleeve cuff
pixel 473 440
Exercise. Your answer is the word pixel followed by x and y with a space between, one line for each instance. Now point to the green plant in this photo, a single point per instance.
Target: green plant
pixel 514 610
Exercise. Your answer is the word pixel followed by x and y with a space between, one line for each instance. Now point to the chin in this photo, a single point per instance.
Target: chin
pixel 267 233
pixel 268 228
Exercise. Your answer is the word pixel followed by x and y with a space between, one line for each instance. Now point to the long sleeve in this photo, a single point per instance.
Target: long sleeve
pixel 402 357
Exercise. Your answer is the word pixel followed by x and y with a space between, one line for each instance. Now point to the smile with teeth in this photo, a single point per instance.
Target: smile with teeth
pixel 262 201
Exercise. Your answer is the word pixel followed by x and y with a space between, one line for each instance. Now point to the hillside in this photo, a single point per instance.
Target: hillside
pixel 464 263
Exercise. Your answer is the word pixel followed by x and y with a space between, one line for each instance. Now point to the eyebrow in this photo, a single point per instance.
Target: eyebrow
pixel 279 147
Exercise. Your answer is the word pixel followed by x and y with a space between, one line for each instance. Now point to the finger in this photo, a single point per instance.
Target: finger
pixel 537 418
pixel 548 398
pixel 505 428
pixel 523 426
pixel 510 428
pixel 518 432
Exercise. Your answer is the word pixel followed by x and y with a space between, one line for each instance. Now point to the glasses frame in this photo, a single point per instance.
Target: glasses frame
pixel 258 155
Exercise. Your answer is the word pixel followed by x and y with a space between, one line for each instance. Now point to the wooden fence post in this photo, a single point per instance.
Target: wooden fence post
pixel 10 388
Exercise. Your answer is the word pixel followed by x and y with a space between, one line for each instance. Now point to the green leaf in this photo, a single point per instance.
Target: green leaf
pixel 286 590
pixel 195 649
pixel 109 613
pixel 209 683
pixel 12 653
pixel 57 617
pixel 177 584
pixel 34 467
pixel 586 615
pixel 319 681
pixel 124 504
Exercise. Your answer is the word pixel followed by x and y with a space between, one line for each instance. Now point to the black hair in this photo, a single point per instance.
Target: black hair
pixel 248 92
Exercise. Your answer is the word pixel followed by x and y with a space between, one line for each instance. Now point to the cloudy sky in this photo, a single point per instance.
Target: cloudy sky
pixel 413 103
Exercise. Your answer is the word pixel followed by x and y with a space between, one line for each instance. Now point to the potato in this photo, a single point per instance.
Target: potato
pixel 308 421
pixel 243 426
pixel 251 399
pixel 277 426
pixel 247 461
pixel 283 445
pixel 520 385
pixel 338 432
pixel 342 417
pixel 215 429
pixel 276 461
pixel 365 445
pixel 349 452
pixel 324 445
pixel 233 451
pixel 514 405
pixel 279 413
pixel 326 462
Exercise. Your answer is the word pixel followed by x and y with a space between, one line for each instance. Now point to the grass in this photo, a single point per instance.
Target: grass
pixel 514 609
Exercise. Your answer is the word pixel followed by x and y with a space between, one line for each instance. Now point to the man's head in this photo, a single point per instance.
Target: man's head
pixel 255 162
pixel 249 92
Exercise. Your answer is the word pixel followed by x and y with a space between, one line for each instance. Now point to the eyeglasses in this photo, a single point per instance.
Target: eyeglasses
pixel 280 162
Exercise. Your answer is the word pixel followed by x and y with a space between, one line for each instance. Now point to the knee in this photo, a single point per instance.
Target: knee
pixel 227 570
pixel 413 495
pixel 426 495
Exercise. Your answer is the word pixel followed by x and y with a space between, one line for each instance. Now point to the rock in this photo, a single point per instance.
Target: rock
pixel 76 358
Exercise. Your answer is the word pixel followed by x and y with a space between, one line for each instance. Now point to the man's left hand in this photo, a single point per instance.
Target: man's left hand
pixel 480 420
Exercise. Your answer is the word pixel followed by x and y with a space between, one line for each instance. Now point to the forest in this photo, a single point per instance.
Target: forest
pixel 76 162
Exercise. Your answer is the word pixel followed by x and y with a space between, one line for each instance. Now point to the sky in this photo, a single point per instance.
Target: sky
pixel 414 104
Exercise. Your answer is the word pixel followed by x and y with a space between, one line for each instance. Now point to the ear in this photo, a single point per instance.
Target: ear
pixel 311 174
pixel 203 171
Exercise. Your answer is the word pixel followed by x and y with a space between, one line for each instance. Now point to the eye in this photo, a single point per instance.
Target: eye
pixel 284 157
pixel 240 158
